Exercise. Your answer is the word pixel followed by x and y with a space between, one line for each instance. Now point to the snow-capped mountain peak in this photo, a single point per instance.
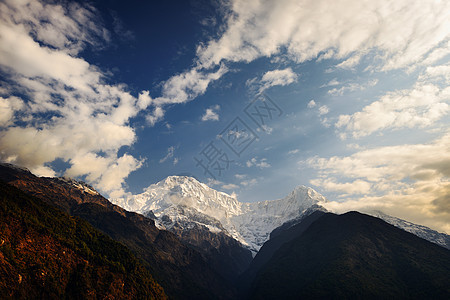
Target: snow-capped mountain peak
pixel 249 223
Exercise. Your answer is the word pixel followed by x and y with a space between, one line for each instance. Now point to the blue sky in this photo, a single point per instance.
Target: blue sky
pixel 122 95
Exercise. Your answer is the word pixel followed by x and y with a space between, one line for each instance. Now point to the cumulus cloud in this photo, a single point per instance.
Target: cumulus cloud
pixel 230 186
pixel 312 104
pixel 346 188
pixel 420 106
pixel 8 109
pixel 393 34
pixel 439 73
pixel 211 114
pixel 401 33
pixel 332 82
pixel 352 87
pixel 66 110
pixel 213 182
pixel 156 115
pixel 188 85
pixel 261 163
pixel 277 77
pixel 410 181
pixel 249 182
pixel 323 110
pixel 350 62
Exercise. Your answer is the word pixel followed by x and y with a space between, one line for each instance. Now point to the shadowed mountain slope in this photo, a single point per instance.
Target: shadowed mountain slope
pixel 181 271
pixel 354 256
pixel 47 254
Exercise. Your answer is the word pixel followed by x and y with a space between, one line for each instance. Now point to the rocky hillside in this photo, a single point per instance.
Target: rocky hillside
pixel 181 271
pixel 47 254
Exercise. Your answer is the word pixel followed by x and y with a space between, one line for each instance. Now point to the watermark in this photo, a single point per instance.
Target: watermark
pixel 213 160
pixel 262 110
pixel 237 136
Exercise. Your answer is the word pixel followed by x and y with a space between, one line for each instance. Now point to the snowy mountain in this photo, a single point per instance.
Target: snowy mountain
pixel 183 201
pixel 424 232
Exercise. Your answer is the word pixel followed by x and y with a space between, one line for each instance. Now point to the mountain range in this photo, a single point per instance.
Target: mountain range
pixel 196 242
pixel 179 269
pixel 180 203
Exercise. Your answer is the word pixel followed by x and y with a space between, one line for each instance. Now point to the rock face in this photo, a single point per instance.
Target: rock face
pixel 182 271
pixel 182 201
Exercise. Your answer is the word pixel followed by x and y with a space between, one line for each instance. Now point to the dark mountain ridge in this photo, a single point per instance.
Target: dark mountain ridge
pixel 182 271
pixel 279 237
pixel 321 255
pixel 353 256
pixel 48 254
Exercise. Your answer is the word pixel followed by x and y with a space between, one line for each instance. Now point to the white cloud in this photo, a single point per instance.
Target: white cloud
pixel 262 163
pixel 43 171
pixel 169 154
pixel 394 35
pixel 230 186
pixel 436 73
pixel 211 114
pixel 349 63
pixel 352 87
pixel 332 82
pixel 295 151
pixel 402 32
pixel 312 104
pixel 108 172
pixel 213 182
pixel 437 54
pixel 240 176
pixel 354 187
pixel 265 128
pixel 249 182
pixel 354 146
pixel 410 181
pixel 277 77
pixel 420 106
pixel 187 85
pixel 8 108
pixel 67 28
pixel 86 119
pixel 144 100
pixel 180 88
pixel 323 110
pixel 155 116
